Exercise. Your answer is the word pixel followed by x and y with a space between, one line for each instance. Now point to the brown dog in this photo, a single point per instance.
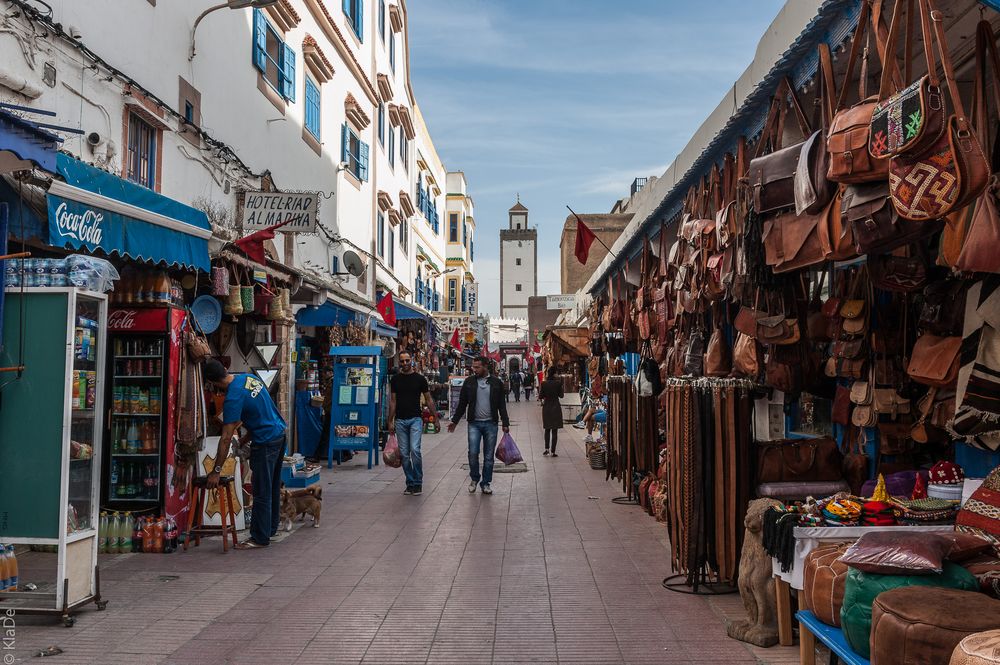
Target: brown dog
pixel 296 503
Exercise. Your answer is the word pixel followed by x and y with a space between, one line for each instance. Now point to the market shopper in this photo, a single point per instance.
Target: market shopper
pixel 528 384
pixel 248 401
pixel 515 384
pixel 550 392
pixel 482 402
pixel 406 419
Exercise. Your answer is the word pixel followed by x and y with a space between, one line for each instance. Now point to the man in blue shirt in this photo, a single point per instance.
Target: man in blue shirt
pixel 248 401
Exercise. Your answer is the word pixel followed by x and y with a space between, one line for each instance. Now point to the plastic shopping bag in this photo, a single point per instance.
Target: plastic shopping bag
pixel 390 454
pixel 507 451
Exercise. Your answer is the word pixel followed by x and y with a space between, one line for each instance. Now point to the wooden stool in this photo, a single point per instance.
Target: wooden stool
pixel 195 528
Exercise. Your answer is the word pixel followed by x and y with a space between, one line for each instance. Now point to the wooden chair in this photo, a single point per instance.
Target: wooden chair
pixel 195 528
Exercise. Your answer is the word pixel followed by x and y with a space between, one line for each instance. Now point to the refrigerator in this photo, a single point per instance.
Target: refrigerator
pixel 144 347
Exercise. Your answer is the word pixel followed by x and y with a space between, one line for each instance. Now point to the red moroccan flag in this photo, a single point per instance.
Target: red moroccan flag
pixel 253 244
pixel 584 239
pixel 536 348
pixel 387 308
pixel 455 344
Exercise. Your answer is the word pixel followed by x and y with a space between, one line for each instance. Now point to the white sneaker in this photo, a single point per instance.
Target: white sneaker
pixel 588 439
pixel 487 489
pixel 472 487
pixel 580 425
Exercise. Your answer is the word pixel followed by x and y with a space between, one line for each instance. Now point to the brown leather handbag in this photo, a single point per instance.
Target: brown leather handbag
pixel 746 361
pixel 903 271
pixel 694 354
pixel 777 330
pixel 772 175
pixel 812 189
pixel 840 413
pixel 841 236
pixel 799 460
pixel 793 242
pixel 953 171
pixel 934 361
pixel 943 311
pixel 783 369
pixel 855 464
pixel 847 141
pixel 718 361
pixel 746 321
pixel 875 224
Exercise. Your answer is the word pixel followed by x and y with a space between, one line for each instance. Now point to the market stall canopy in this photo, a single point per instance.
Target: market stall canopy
pixel 355 351
pixel 25 145
pixel 569 340
pixel 326 315
pixel 93 210
pixel 405 312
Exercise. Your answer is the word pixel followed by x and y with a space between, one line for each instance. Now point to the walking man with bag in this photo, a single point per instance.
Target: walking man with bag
pixel 247 400
pixel 406 419
pixel 482 402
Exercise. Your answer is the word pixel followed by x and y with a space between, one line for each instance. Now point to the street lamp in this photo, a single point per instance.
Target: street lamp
pixel 229 4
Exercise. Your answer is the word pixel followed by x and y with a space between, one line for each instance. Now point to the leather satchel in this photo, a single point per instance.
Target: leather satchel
pixel 943 311
pixel 799 460
pixel 847 141
pixel 953 171
pixel 694 355
pixel 812 189
pixel 793 242
pixel 894 438
pixel 777 330
pixel 783 369
pixel 888 402
pixel 875 224
pixel 746 361
pixel 840 413
pixel 746 321
pixel 934 360
pixel 903 271
pixel 717 357
pixel 853 318
pixel 772 176
pixel 911 119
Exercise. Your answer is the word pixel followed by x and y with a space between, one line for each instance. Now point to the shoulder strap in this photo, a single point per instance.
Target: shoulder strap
pixel 987 63
pixel 870 20
pixel 928 14
pixel 888 87
pixel 828 92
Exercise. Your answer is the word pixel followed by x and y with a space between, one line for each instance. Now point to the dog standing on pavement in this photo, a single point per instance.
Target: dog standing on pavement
pixel 296 503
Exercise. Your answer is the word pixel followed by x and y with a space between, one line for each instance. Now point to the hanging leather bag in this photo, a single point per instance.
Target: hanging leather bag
pixel 746 360
pixel 981 237
pixel 954 170
pixel 799 460
pixel 771 173
pixel 812 189
pixel 694 355
pixel 717 356
pixel 777 330
pixel 903 271
pixel 875 224
pixel 934 360
pixel 847 141
pixel 943 311
pixel 911 119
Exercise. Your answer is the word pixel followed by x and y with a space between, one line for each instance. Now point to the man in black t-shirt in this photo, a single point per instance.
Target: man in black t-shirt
pixel 405 418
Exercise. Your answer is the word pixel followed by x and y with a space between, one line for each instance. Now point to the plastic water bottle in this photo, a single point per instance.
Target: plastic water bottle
pixel 4 569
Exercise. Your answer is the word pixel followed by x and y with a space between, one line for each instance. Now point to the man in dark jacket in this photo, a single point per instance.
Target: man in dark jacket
pixel 482 401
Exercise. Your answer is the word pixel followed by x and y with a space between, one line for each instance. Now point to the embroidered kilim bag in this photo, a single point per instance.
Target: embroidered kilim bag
pixel 981 513
pixel 912 119
pixel 954 170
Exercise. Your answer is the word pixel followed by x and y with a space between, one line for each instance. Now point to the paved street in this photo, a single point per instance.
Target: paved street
pixel 547 570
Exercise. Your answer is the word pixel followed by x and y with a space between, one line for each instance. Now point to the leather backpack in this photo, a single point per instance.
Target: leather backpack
pixel 746 358
pixel 799 460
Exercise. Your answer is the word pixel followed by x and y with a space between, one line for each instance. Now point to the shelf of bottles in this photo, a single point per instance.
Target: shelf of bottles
pixel 136 393
pixel 83 436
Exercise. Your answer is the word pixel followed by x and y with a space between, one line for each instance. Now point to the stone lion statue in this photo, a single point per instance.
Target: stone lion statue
pixel 756 588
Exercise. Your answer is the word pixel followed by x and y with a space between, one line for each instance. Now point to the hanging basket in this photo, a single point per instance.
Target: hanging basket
pixel 234 301
pixel 246 295
pixel 220 281
pixel 263 303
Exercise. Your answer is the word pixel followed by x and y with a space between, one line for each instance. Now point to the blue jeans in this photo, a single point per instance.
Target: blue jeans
pixel 265 464
pixel 480 432
pixel 408 433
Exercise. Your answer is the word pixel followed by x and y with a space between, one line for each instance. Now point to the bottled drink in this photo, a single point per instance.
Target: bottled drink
pixel 171 537
pixel 12 569
pixel 134 480
pixel 147 535
pixel 161 291
pixel 133 437
pixel 158 531
pixel 137 535
pixel 116 485
pixel 154 400
pixel 125 534
pixel 102 534
pixel 116 399
pixel 113 525
pixel 4 570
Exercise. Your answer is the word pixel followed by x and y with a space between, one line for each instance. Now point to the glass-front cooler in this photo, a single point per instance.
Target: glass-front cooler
pixel 84 414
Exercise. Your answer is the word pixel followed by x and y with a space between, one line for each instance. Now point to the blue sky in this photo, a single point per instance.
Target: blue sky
pixel 566 102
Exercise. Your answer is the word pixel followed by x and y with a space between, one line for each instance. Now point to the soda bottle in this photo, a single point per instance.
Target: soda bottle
pixel 116 488
pixel 133 437
pixel 135 480
pixel 102 534
pixel 113 526
pixel 147 535
pixel 171 537
pixel 158 531
pixel 12 569
pixel 152 482
pixel 123 537
pixel 4 570
pixel 137 535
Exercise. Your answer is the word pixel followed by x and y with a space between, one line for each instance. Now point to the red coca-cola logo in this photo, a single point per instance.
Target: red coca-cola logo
pixel 122 319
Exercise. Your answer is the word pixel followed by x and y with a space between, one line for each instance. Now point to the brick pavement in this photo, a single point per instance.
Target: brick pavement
pixel 547 570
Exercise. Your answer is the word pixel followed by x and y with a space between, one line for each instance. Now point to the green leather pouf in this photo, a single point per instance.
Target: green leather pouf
pixel 862 589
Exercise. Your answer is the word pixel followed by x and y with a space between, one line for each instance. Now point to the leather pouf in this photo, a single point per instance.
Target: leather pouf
pixel 920 626
pixel 978 649
pixel 824 578
pixel 862 589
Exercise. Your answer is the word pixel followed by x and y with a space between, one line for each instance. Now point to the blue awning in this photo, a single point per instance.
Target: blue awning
pixel 326 315
pixel 404 312
pixel 384 329
pixel 28 143
pixel 355 351
pixel 97 211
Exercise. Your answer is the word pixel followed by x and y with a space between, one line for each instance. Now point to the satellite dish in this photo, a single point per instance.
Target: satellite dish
pixel 353 263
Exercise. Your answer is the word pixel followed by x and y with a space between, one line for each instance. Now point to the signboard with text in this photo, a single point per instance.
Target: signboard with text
pixel 472 297
pixel 263 209
pixel 563 301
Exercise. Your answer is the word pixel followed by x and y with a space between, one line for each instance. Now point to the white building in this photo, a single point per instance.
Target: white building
pixel 302 95
pixel 518 264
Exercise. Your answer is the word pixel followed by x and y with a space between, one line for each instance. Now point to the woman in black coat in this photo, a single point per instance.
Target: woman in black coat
pixel 550 392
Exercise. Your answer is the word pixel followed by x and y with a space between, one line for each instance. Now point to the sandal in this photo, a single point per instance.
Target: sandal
pixel 248 545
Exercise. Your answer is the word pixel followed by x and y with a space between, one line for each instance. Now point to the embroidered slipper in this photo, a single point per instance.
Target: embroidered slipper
pixel 248 545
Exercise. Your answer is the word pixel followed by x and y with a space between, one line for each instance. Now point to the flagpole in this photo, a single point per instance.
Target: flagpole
pixel 596 237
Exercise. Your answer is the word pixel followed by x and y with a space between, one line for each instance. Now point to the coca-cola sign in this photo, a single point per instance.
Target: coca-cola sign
pixel 122 319
pixel 84 225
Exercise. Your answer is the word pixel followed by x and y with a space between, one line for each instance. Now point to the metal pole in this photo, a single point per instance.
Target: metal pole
pixel 194 28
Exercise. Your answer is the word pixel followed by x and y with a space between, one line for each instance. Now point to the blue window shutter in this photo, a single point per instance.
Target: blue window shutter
pixel 312 108
pixel 360 22
pixel 345 143
pixel 363 160
pixel 288 76
pixel 259 40
pixel 347 7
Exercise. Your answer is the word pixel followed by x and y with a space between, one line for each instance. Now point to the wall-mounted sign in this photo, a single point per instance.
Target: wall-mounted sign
pixel 472 297
pixel 563 301
pixel 264 209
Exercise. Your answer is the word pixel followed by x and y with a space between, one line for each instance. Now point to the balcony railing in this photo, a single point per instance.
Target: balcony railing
pixel 638 184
